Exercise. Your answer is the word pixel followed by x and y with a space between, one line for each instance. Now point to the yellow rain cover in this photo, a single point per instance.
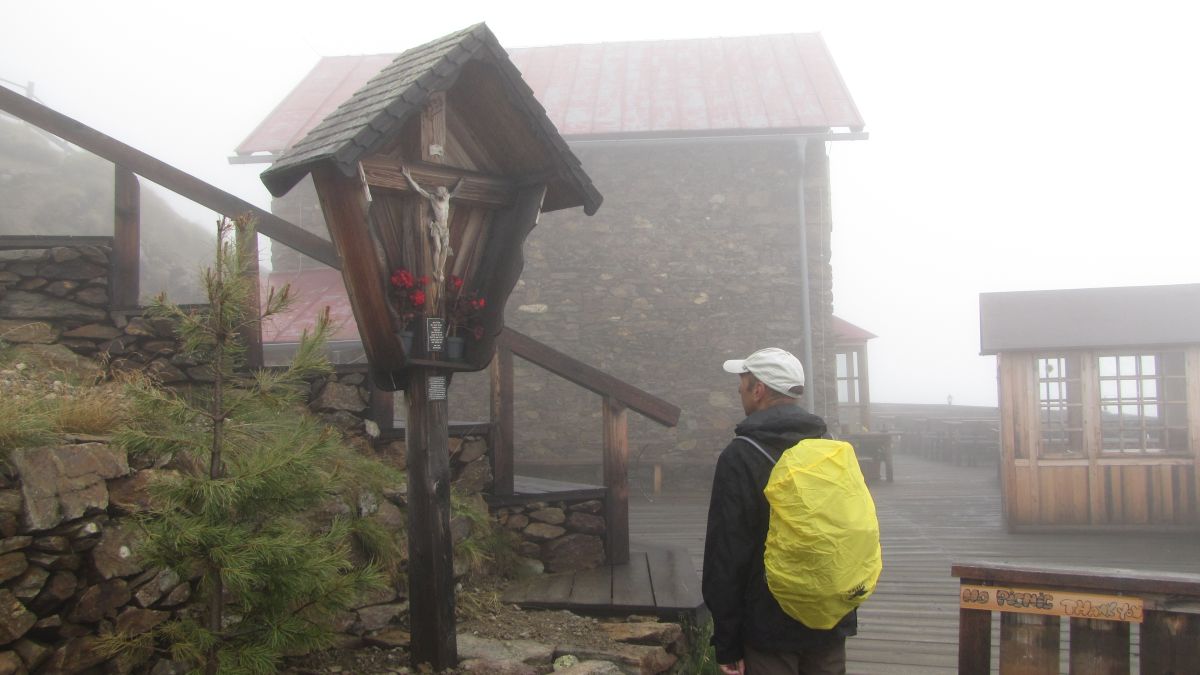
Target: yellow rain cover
pixel 822 554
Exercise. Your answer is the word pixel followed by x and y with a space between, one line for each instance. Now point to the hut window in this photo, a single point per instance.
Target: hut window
pixel 849 393
pixel 1143 403
pixel 1060 404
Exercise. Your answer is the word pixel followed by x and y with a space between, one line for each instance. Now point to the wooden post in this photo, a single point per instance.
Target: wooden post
pixel 1028 644
pixel 431 555
pixel 1192 371
pixel 974 642
pixel 383 405
pixel 1099 647
pixel 127 238
pixel 1170 642
pixel 502 419
pixel 616 480
pixel 247 245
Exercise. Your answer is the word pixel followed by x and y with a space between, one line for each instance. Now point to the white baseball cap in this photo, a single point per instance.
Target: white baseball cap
pixel 773 367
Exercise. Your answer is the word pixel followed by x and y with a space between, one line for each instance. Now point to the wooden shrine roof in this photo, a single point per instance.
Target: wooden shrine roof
pixel 377 110
pixel 728 85
pixel 1089 317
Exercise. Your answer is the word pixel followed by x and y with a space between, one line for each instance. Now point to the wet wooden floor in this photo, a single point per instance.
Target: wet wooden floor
pixel 932 515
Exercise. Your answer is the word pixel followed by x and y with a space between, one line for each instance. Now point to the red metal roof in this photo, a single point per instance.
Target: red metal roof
pixel 314 290
pixel 763 83
pixel 848 332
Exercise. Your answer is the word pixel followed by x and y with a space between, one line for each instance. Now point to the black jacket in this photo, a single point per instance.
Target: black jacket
pixel 735 583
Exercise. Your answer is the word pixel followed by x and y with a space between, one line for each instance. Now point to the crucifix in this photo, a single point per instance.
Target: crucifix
pixel 439 225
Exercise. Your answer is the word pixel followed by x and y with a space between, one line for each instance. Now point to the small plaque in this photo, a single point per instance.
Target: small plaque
pixel 435 334
pixel 437 388
pixel 1051 602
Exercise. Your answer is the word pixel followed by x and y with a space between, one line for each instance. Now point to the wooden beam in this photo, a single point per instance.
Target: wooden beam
pixel 1089 383
pixel 476 187
pixel 590 378
pixel 346 214
pixel 127 238
pixel 974 642
pixel 433 128
pixel 165 175
pixel 503 418
pixel 616 480
pixel 430 551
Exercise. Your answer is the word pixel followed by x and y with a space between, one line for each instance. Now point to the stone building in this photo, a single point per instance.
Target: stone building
pixel 713 239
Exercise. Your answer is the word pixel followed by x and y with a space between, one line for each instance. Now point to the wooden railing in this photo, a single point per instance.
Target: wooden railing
pixel 617 398
pixel 1101 604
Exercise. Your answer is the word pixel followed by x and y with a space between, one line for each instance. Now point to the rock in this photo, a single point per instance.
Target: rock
pixel 590 668
pixel 62 254
pixel 165 667
pixel 646 660
pixel 180 595
pixel 565 661
pixel 337 396
pixel 61 289
pixel 573 552
pixel 12 564
pixel 15 619
pixel 472 449
pixel 543 532
pixel 494 667
pixel 390 516
pixel 27 586
pixel 100 601
pixel 162 371
pixel 31 652
pixel 644 632
pixel 52 544
pixel 23 255
pixel 140 327
pixel 66 482
pixel 27 332
pixel 389 638
pixel 93 331
pixel 32 284
pixel 11 544
pixel 11 664
pixel 72 269
pixel 135 620
pixel 95 296
pixel 371 427
pixel 10 501
pixel 129 494
pixel 474 478
pixel 521 651
pixel 95 254
pixel 53 561
pixel 529 549
pixel 377 616
pixel 57 358
pixel 585 523
pixel 26 305
pixel 375 596
pixel 517 521
pixel 76 655
pixel 346 421
pixel 202 373
pixel 551 516
pixel 590 506
pixel 460 529
pixel 530 565
pixel 55 592
pixel 113 556
pixel 153 591
pixel 8 524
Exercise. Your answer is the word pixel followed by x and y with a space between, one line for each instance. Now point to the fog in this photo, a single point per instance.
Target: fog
pixel 1020 146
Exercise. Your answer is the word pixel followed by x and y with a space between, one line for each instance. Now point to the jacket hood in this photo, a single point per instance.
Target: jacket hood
pixel 782 426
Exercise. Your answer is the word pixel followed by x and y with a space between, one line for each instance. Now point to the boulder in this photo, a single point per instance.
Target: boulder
pixel 590 668
pixel 93 331
pixel 152 591
pixel 474 477
pixel 62 254
pixel 590 506
pixel 573 552
pixel 114 555
pixel 12 565
pixel 100 601
pixel 552 516
pixel 162 371
pixel 129 494
pixel 521 651
pixel 11 664
pixel 61 289
pixel 495 667
pixel 389 638
pixel 23 255
pixel 76 655
pixel 27 332
pixel 51 544
pixel 31 652
pixel 72 269
pixel 644 632
pixel 135 620
pixel 335 397
pixel 638 658
pixel 543 532
pixel 585 523
pixel 57 358
pixel 375 617
pixel 472 449
pixel 95 296
pixel 60 588
pixel 15 619
pixel 26 305
pixel 27 586
pixel 517 521
pixel 177 597
pixel 66 482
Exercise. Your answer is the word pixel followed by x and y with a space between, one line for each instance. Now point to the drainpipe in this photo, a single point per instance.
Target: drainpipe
pixel 805 303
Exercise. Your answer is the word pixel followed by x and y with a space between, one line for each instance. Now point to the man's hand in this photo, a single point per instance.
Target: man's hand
pixel 738 668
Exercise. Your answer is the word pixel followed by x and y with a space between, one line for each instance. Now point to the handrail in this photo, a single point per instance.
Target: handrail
pixel 1100 604
pixel 592 379
pixel 166 175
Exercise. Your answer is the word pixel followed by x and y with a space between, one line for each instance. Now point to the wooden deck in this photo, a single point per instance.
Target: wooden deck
pixel 931 515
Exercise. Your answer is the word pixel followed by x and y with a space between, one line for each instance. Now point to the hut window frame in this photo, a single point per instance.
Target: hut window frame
pixel 1143 402
pixel 1060 401
pixel 848 376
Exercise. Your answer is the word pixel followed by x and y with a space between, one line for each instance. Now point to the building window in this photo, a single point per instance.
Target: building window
pixel 848 391
pixel 1143 403
pixel 1060 404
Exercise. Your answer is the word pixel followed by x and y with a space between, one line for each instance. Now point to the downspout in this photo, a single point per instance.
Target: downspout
pixel 805 302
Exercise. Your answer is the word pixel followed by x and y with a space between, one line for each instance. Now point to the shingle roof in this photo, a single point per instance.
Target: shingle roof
pixel 359 125
pixel 729 85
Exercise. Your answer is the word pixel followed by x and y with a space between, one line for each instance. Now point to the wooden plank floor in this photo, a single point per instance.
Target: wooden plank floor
pixel 660 581
pixel 932 515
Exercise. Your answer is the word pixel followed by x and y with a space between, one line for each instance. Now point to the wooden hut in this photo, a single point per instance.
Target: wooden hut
pixel 1099 405
pixel 853 376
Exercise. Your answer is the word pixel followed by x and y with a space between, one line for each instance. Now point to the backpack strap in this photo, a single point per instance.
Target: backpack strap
pixel 760 448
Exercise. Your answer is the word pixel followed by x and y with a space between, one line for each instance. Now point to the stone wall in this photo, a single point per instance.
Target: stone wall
pixel 562 535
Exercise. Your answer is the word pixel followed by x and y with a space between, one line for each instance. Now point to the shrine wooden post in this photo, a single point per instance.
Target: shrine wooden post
pixel 430 178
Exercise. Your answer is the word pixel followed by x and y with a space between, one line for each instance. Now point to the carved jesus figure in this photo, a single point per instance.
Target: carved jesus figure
pixel 439 226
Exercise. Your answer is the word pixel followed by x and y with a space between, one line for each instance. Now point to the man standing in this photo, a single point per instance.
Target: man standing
pixel 751 632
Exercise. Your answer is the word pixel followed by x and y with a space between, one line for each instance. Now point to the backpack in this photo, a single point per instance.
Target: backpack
pixel 822 554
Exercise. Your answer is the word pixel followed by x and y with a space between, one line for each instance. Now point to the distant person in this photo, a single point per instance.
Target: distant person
pixel 751 632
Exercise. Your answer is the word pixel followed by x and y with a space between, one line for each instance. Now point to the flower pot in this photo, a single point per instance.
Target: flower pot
pixel 455 348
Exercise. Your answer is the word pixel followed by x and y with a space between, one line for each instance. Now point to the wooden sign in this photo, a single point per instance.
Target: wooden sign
pixel 1051 603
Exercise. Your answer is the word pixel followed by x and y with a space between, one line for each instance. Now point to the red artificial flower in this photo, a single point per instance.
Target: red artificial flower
pixel 478 332
pixel 417 298
pixel 478 303
pixel 402 278
pixel 456 282
pixel 423 281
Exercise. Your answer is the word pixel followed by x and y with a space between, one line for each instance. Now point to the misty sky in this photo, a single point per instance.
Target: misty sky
pixel 1014 146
